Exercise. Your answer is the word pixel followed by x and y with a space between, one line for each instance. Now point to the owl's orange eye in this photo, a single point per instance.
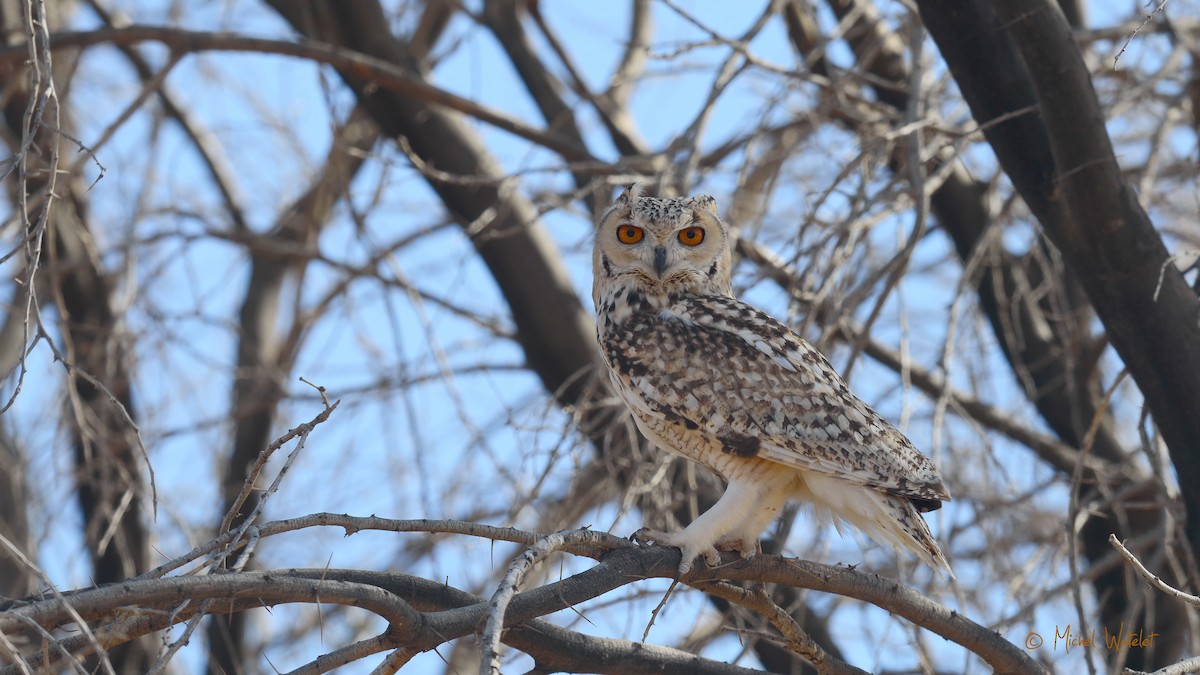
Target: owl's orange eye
pixel 691 236
pixel 630 234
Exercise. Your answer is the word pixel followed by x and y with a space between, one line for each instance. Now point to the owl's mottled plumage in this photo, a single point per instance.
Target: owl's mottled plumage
pixel 721 383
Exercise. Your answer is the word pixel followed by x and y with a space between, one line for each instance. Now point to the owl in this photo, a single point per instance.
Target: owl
pixel 721 383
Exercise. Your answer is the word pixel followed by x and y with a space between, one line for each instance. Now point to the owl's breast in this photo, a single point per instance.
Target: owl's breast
pixel 666 391
pixel 668 430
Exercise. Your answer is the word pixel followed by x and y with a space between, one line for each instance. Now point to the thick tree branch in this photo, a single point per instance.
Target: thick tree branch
pixel 553 328
pixel 1037 312
pixel 423 614
pixel 264 359
pixel 365 67
pixel 92 347
pixel 1150 313
pixel 1061 161
pixel 503 17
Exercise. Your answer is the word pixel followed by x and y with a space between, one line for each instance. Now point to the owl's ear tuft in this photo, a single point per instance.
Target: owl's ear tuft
pixel 706 203
pixel 623 203
pixel 630 194
pixel 704 209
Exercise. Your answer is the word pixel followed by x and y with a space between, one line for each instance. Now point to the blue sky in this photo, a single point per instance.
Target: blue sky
pixel 484 444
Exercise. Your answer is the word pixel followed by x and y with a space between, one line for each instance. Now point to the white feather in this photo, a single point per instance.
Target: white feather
pixel 869 510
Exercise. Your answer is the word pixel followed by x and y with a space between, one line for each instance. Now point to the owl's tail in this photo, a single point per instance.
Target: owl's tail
pixel 883 517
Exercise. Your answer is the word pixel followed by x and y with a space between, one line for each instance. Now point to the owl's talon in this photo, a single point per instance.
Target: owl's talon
pixel 745 547
pixel 745 555
pixel 645 536
pixel 689 549
pixel 692 553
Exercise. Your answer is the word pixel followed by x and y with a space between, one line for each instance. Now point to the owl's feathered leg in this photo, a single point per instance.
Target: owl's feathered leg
pixel 744 536
pixel 738 505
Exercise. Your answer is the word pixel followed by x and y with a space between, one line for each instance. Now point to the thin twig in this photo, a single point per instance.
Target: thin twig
pixel 756 599
pixel 1154 579
pixel 489 656
pixel 1149 18
pixel 302 431
pixel 381 73
pixel 658 608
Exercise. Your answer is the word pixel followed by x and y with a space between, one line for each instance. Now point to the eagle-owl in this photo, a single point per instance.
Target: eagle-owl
pixel 721 383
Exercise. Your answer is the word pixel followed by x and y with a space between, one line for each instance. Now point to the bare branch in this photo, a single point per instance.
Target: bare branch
pixel 1154 579
pixel 398 597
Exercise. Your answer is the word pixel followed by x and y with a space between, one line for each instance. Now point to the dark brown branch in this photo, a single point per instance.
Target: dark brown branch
pixel 1044 339
pixel 424 614
pixel 441 614
pixel 264 359
pixel 364 67
pixel 1037 310
pixel 503 18
pixel 1061 161
pixel 1151 315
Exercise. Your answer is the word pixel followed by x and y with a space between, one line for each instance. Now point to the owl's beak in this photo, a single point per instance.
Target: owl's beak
pixel 660 260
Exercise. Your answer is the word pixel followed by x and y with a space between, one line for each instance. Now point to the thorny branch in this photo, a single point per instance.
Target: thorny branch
pixel 1154 579
pixel 381 73
pixel 813 211
pixel 398 598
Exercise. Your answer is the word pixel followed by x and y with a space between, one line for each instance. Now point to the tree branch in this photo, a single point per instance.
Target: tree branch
pixel 364 67
pixel 424 614
pixel 1105 235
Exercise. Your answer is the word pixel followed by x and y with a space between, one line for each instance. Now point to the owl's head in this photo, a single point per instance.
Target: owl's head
pixel 662 246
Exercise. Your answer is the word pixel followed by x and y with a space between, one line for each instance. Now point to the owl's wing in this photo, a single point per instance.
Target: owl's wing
pixel 763 391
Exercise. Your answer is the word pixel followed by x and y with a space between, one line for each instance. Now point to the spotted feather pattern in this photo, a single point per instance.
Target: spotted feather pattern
pixel 721 383
pixel 726 369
